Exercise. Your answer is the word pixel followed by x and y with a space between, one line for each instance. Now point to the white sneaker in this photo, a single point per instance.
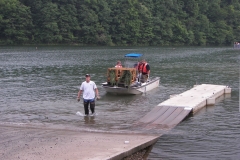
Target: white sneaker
pixel 93 114
pixel 80 114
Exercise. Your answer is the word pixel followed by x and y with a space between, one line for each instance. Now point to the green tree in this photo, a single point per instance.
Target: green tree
pixel 146 26
pixel 48 31
pixel 219 32
pixel 126 22
pixel 94 18
pixel 120 22
pixel 68 23
pixel 15 22
pixel 164 18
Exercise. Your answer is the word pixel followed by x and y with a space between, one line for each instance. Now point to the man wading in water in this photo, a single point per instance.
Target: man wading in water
pixel 90 91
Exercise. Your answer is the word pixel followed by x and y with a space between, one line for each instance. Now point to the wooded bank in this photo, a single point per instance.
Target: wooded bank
pixel 120 22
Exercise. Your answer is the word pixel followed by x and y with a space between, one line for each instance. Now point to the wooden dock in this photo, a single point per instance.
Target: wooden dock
pixel 172 111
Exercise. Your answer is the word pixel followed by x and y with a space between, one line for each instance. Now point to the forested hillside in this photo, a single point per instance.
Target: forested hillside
pixel 120 22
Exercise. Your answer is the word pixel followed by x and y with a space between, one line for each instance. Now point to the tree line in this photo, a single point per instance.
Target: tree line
pixel 120 22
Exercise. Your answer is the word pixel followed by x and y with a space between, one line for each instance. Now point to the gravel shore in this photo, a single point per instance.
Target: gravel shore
pixel 140 155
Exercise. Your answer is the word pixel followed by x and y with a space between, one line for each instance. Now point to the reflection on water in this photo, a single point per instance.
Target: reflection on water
pixel 89 119
pixel 39 87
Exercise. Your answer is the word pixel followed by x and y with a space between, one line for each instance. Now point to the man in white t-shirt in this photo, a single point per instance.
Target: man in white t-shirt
pixel 90 91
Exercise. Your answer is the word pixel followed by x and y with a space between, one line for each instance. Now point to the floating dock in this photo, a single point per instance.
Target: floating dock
pixel 24 142
pixel 172 111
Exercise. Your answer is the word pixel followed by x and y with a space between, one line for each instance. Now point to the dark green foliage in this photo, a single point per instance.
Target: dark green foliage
pixel 112 76
pixel 15 22
pixel 126 78
pixel 120 22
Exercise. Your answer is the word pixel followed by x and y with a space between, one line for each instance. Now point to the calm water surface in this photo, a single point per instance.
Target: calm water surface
pixel 39 87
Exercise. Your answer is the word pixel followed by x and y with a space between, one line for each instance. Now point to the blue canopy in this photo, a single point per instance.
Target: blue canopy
pixel 135 55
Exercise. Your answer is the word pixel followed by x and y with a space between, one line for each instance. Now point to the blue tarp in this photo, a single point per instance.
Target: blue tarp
pixel 136 55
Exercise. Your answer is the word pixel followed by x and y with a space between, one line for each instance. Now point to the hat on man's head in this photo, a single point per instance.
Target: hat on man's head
pixel 87 75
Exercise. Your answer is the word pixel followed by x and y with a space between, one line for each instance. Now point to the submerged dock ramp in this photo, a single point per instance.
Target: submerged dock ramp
pixel 165 116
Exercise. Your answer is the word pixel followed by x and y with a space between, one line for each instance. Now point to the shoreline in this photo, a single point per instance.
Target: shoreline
pixel 19 142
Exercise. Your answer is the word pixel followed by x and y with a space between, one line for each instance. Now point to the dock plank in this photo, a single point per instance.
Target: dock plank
pixel 154 115
pixel 154 110
pixel 179 117
pixel 172 116
pixel 161 118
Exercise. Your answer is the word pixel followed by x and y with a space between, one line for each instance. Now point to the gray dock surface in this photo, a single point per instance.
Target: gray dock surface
pixel 169 113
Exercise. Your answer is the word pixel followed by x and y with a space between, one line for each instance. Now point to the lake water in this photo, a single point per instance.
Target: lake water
pixel 38 86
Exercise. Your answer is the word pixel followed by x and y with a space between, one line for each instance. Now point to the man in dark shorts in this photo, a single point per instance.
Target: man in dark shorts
pixel 90 91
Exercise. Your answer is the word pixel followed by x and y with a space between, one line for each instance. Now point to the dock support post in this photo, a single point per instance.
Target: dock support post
pixel 210 101
pixel 227 90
